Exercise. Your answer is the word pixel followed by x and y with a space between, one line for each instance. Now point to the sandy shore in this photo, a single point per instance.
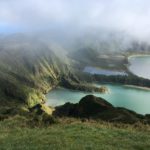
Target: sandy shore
pixel 138 55
pixel 138 87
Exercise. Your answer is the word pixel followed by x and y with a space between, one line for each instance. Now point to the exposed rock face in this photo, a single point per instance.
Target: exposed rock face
pixel 68 109
pixel 87 107
pixel 98 108
pixel 120 115
pixel 147 116
pixel 91 105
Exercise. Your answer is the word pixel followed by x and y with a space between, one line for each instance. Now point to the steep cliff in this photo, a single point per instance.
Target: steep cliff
pixel 28 68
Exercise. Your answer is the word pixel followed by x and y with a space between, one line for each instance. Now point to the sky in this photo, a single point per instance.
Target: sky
pixel 130 16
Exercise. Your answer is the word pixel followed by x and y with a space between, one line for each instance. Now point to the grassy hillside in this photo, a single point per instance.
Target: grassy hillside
pixel 28 68
pixel 72 134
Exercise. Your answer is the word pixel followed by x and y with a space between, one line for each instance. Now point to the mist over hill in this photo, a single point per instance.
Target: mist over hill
pixel 30 63
pixel 28 68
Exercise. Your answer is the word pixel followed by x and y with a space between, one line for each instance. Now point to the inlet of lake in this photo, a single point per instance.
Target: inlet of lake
pixel 140 65
pixel 136 99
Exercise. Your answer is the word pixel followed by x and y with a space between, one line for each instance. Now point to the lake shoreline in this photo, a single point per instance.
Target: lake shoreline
pixel 138 70
pixel 137 87
pixel 138 55
pixel 127 96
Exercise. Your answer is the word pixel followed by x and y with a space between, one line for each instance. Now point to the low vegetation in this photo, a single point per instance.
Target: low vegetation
pixel 72 134
pixel 130 80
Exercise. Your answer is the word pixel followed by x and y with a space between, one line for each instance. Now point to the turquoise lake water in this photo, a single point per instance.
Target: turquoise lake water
pixel 93 70
pixel 134 99
pixel 119 95
pixel 140 65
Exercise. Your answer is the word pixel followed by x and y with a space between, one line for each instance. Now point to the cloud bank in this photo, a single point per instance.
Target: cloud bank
pixel 132 17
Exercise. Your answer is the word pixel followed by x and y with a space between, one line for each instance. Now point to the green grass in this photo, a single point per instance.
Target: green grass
pixel 16 134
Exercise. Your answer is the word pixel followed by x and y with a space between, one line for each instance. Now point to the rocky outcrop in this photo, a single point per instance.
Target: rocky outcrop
pixel 81 86
pixel 97 108
pixel 41 108
pixel 91 105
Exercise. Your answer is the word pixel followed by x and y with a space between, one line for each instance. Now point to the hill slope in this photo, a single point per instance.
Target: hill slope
pixel 28 68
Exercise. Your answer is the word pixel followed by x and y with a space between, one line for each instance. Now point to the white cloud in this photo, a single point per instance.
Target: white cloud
pixel 125 15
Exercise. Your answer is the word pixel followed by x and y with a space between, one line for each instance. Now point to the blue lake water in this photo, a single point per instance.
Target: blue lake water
pixel 94 70
pixel 119 95
pixel 134 99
